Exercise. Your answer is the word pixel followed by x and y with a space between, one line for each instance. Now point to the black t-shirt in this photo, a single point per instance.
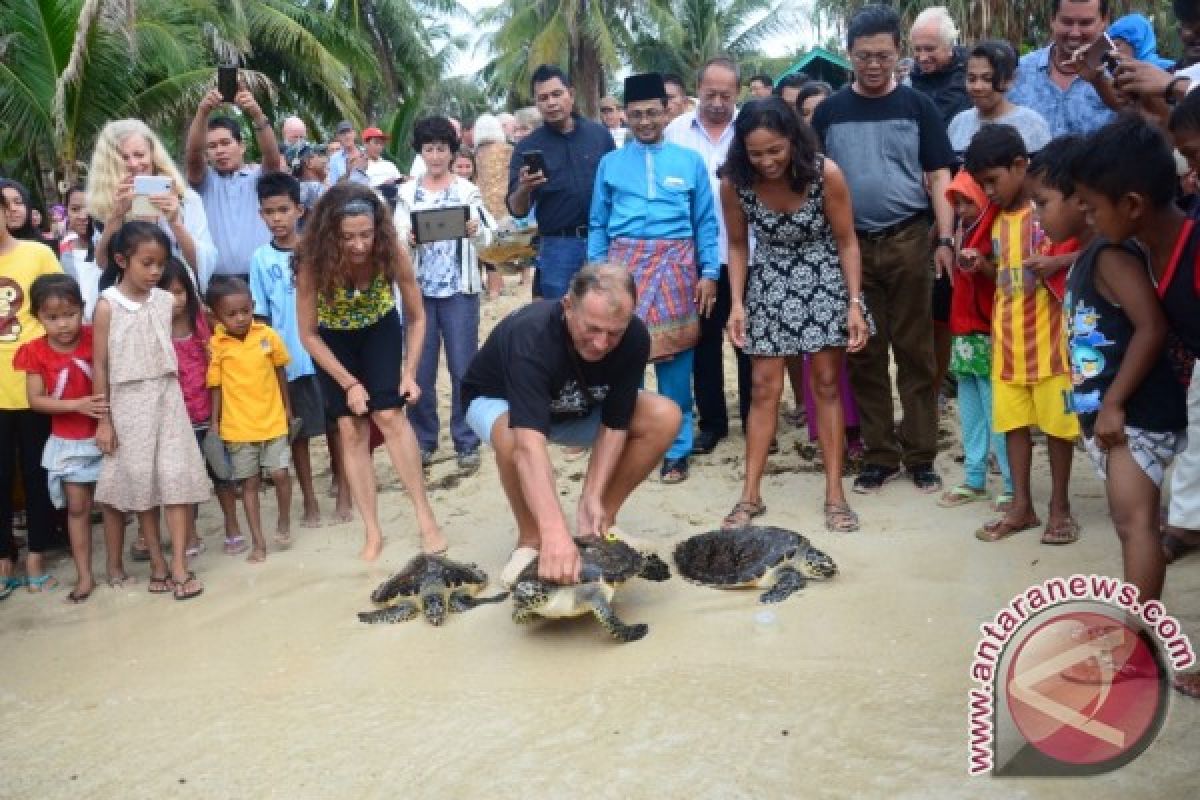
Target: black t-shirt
pixel 529 361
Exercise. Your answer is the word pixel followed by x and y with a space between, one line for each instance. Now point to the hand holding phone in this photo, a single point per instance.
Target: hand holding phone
pixel 534 162
pixel 227 82
pixel 1097 55
pixel 145 187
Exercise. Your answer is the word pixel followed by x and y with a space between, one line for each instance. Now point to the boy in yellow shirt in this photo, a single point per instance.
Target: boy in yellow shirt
pixel 1031 374
pixel 251 404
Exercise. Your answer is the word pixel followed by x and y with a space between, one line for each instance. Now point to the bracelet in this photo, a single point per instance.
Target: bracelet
pixel 1169 92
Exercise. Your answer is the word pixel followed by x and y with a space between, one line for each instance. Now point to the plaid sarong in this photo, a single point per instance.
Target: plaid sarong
pixel 665 273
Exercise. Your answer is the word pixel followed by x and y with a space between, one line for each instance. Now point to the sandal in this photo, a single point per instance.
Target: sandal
pixel 1176 547
pixel 159 585
pixel 962 495
pixel 741 515
pixel 181 590
pixel 1001 528
pixel 196 549
pixel 1065 531
pixel 235 545
pixel 76 598
pixel 120 581
pixel 674 470
pixel 840 518
pixel 1002 503
pixel 42 583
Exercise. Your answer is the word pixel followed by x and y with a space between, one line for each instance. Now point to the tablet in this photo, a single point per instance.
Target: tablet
pixel 440 224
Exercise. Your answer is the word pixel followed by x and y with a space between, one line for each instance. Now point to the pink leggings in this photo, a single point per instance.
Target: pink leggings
pixel 849 408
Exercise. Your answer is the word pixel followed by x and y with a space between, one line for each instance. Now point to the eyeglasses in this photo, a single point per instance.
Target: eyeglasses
pixel 882 59
pixel 649 114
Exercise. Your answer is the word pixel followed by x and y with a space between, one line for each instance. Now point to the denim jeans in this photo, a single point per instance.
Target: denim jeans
pixel 559 258
pixel 454 320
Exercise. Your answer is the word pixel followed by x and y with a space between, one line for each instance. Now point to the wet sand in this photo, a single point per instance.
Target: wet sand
pixel 268 686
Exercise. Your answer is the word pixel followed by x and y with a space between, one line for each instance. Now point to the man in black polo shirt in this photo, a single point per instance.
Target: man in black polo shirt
pixel 560 196
pixel 891 144
pixel 568 372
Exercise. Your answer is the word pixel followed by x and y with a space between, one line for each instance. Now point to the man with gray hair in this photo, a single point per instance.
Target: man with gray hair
pixel 940 68
pixel 567 371
pixel 293 130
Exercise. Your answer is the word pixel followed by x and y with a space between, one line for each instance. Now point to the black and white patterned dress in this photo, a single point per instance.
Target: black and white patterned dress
pixel 796 300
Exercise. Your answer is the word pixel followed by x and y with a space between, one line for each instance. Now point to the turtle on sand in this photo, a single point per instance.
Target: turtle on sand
pixel 433 585
pixel 766 557
pixel 607 563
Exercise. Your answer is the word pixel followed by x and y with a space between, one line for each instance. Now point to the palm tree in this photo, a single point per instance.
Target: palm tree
pixel 588 38
pixel 683 34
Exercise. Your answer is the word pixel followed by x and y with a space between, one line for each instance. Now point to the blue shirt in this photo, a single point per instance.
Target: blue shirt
pixel 1076 109
pixel 231 204
pixel 337 166
pixel 571 160
pixel 658 191
pixel 273 286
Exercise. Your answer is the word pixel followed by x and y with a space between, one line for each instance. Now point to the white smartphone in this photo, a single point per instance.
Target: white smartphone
pixel 145 187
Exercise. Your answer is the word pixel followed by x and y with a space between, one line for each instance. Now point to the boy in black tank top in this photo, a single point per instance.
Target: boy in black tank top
pixel 1125 176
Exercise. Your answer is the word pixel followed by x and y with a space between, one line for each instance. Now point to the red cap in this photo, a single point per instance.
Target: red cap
pixel 373 133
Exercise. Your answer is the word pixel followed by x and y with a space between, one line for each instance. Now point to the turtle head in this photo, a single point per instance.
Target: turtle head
pixel 812 563
pixel 654 568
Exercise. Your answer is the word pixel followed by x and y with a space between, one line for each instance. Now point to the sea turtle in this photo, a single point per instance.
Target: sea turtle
pixel 432 585
pixel 765 557
pixel 607 563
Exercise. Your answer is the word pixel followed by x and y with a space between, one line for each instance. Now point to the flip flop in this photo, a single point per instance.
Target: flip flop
pixel 1001 528
pixel 840 518
pixel 1002 503
pixel 181 593
pixel 74 598
pixel 1066 531
pixel 163 585
pixel 962 495
pixel 741 515
pixel 196 549
pixel 42 583
pixel 235 545
pixel 674 470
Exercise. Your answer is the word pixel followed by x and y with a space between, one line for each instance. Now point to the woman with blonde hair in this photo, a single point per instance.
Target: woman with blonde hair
pixel 125 149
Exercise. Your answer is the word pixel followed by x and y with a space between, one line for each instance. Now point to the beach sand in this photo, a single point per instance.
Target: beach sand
pixel 268 686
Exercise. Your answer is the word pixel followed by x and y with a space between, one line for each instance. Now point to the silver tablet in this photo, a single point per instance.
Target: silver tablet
pixel 440 224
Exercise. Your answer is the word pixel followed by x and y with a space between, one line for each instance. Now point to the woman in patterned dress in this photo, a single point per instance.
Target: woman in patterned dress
pixel 801 292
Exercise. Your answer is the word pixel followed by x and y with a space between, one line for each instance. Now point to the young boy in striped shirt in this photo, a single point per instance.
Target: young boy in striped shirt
pixel 1031 373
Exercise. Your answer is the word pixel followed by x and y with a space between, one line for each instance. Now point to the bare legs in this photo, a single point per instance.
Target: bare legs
pixel 302 460
pixel 343 509
pixel 250 500
pixel 825 372
pixel 79 529
pixel 402 448
pixel 766 389
pixel 651 431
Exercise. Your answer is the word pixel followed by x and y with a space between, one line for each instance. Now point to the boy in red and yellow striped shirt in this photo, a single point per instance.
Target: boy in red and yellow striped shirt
pixel 1031 373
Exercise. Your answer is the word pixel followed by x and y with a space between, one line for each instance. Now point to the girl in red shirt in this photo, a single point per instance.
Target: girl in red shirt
pixel 58 368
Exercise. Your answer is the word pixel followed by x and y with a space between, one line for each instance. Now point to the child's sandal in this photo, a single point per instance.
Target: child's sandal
pixel 235 545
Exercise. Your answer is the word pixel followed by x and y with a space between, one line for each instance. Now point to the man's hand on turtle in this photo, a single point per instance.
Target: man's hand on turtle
pixel 558 560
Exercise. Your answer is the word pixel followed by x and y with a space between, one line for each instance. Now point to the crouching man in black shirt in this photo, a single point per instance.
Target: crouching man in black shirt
pixel 568 372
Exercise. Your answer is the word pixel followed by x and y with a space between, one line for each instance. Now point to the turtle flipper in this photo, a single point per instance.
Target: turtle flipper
pixel 401 612
pixel 619 630
pixel 434 607
pixel 461 601
pixel 655 569
pixel 787 580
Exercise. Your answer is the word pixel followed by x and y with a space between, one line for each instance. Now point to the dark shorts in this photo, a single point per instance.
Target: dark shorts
pixel 216 482
pixel 308 405
pixel 373 356
pixel 941 298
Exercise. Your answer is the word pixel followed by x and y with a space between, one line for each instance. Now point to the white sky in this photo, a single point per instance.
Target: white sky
pixel 781 44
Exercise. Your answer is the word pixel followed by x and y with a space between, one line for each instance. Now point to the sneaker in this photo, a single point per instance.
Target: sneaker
pixel 426 458
pixel 469 460
pixel 873 476
pixel 925 478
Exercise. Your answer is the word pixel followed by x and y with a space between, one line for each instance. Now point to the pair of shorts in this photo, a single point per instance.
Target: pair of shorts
pixel 373 355
pixel 1043 404
pixel 69 461
pixel 483 412
pixel 250 457
pixel 1152 451
pixel 217 483
pixel 308 406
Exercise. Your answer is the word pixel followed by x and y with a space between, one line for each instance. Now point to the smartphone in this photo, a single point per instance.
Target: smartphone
pixel 144 187
pixel 1099 53
pixel 227 82
pixel 534 162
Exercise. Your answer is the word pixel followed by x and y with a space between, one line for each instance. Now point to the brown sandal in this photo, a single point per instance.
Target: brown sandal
pixel 840 518
pixel 741 515
pixel 1065 531
pixel 1001 528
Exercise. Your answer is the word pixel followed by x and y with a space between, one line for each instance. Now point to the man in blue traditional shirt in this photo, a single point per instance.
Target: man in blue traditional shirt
pixel 1048 80
pixel 653 213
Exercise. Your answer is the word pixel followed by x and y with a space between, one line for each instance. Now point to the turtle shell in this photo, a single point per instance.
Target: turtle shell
pixel 423 572
pixel 607 560
pixel 736 557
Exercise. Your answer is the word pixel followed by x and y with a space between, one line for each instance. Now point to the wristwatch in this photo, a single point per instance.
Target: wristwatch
pixel 945 241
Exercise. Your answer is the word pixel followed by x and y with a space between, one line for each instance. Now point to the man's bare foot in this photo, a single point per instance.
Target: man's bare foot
pixel 257 555
pixel 119 580
pixel 371 550
pixel 434 543
pixel 342 515
pixel 283 537
pixel 311 519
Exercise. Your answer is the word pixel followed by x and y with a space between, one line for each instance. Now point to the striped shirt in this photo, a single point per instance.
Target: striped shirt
pixel 1029 341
